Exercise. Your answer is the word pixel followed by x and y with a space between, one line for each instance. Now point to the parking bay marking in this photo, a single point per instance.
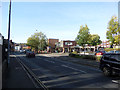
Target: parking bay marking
pixel 73 68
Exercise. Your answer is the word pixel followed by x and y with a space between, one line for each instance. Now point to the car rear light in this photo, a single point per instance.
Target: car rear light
pixel 100 53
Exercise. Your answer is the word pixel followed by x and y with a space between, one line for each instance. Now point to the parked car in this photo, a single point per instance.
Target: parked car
pixel 110 64
pixel 114 51
pixel 26 50
pixel 30 54
pixel 98 53
pixel 21 51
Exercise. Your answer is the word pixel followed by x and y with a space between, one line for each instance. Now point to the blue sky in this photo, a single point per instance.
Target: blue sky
pixel 61 20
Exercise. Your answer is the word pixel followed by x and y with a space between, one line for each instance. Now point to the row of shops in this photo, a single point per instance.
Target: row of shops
pixel 78 49
pixel 67 46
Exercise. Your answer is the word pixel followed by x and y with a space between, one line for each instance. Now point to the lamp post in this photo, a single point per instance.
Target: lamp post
pixel 9 32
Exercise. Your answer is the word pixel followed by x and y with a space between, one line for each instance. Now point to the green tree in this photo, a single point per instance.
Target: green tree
pixel 38 41
pixel 112 30
pixel 117 40
pixel 83 36
pixel 95 40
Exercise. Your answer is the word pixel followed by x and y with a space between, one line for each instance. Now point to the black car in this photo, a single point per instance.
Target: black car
pixel 30 54
pixel 110 64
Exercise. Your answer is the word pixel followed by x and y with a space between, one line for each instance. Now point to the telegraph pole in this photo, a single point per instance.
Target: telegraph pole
pixel 9 32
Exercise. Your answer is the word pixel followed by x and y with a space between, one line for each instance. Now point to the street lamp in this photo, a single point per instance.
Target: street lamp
pixel 9 32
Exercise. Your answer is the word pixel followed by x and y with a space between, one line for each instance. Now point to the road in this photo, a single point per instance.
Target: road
pixel 56 73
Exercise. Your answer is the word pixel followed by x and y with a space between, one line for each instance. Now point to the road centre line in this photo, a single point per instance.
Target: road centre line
pixel 73 68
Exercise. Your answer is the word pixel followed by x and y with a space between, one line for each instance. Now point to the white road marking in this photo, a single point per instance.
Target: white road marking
pixel 49 61
pixel 73 68
pixel 115 81
pixel 36 69
pixel 46 60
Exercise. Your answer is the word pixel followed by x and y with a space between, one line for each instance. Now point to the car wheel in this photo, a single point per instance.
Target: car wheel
pixel 107 71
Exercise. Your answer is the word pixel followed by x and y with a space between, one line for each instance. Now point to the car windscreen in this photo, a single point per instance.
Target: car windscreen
pixel 103 51
pixel 97 51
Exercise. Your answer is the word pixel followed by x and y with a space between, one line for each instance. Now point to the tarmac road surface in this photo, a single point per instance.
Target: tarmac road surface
pixel 56 73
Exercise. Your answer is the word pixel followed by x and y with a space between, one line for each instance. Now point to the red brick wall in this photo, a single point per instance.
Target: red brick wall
pixel 51 42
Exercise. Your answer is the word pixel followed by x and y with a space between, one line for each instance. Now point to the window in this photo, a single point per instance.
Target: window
pixel 68 43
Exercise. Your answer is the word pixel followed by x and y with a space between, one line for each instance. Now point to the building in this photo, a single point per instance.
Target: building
pixel 21 46
pixel 65 45
pixel 26 47
pixel 17 47
pixel 86 48
pixel 104 44
pixel 1 44
pixel 12 46
pixel 3 54
pixel 1 73
pixel 51 45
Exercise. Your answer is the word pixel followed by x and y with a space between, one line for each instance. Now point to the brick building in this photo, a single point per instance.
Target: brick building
pixel 51 45
pixel 104 44
pixel 65 45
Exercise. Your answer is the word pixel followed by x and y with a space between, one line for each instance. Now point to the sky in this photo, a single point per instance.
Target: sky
pixel 59 20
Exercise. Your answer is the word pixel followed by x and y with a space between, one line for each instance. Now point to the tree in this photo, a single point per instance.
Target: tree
pixel 37 41
pixel 95 40
pixel 112 30
pixel 83 36
pixel 117 40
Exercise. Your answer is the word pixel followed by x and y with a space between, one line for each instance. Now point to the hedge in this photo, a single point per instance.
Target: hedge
pixel 91 57
pixel 83 56
pixel 111 49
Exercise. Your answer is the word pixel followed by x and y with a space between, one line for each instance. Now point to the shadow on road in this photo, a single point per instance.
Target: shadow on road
pixel 55 76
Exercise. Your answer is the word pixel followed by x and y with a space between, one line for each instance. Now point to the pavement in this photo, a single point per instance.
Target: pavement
pixel 0 76
pixel 15 76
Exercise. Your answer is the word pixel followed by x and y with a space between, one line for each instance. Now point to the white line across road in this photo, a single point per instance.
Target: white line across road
pixel 74 68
